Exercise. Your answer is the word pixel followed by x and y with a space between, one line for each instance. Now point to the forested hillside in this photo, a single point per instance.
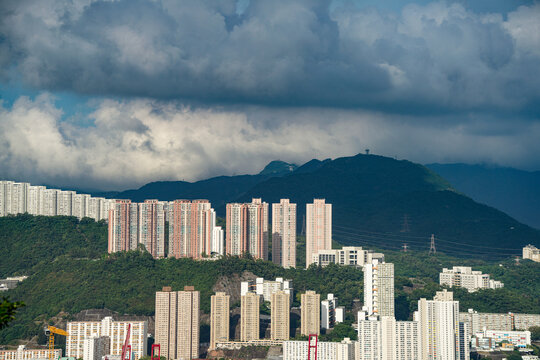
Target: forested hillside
pixel 27 240
pixel 126 282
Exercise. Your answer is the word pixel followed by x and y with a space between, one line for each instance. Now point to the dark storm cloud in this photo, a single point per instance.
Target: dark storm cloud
pixel 437 58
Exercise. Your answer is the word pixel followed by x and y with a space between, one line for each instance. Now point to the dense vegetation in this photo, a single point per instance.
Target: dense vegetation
pixel 61 281
pixel 27 240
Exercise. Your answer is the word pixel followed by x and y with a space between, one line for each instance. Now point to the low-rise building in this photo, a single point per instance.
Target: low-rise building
pixel 531 252
pixel 11 282
pixel 498 321
pixel 465 277
pixel 516 338
pixel 347 256
pixel 266 288
pixel 22 353
pixel 298 350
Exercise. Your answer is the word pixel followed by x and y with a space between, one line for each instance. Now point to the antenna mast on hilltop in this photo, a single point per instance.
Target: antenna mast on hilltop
pixel 432 249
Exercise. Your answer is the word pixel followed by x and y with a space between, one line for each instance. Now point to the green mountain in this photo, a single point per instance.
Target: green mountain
pixel 385 202
pixel 26 241
pixel 376 201
pixel 513 191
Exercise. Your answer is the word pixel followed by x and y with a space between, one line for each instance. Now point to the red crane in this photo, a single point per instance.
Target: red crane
pixel 312 346
pixel 158 347
pixel 126 349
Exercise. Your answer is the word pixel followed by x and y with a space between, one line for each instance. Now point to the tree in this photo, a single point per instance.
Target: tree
pixel 514 356
pixel 7 311
pixel 535 333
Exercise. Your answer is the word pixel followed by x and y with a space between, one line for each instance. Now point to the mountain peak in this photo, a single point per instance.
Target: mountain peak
pixel 278 168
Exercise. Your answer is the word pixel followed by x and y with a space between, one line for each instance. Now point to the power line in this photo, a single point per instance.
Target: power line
pixel 423 238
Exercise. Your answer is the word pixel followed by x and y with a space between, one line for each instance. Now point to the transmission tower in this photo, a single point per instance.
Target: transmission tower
pixel 432 249
pixel 405 247
pixel 303 232
pixel 405 224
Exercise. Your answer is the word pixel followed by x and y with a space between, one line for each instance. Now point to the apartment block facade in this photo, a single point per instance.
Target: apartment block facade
pixel 22 353
pixel 247 229
pixel 298 350
pixel 310 313
pixel 280 316
pixel 465 277
pixel 249 317
pixel 440 328
pixel 116 331
pixel 18 198
pixel 379 288
pixel 191 229
pixel 531 252
pixel 219 318
pixel 177 323
pixel 284 234
pixel 318 228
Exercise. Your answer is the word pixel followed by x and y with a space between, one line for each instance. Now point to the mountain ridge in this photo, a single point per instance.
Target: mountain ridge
pixel 514 191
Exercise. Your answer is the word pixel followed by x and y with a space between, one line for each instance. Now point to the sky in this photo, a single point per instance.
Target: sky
pixel 114 94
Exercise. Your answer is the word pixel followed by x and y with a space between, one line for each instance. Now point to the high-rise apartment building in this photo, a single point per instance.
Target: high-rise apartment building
pixel 387 339
pixel 177 323
pixel 247 229
pixel 328 312
pixel 188 324
pixel 191 228
pixel 280 316
pixel 439 327
pixel 116 331
pixel 284 234
pixel 379 288
pixel 64 202
pixel 219 318
pixel 17 198
pixel 35 200
pixel 166 317
pixel 310 313
pixel 318 228
pixel 249 317
pixel 123 220
pixel 218 241
pixel 152 227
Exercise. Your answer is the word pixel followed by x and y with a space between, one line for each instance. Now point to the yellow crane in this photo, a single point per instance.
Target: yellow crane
pixel 50 331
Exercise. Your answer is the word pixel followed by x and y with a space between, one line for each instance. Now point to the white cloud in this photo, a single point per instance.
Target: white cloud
pixel 139 141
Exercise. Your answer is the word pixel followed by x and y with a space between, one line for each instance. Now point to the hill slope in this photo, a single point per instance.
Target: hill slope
pixel 385 202
pixel 513 191
pixel 27 240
